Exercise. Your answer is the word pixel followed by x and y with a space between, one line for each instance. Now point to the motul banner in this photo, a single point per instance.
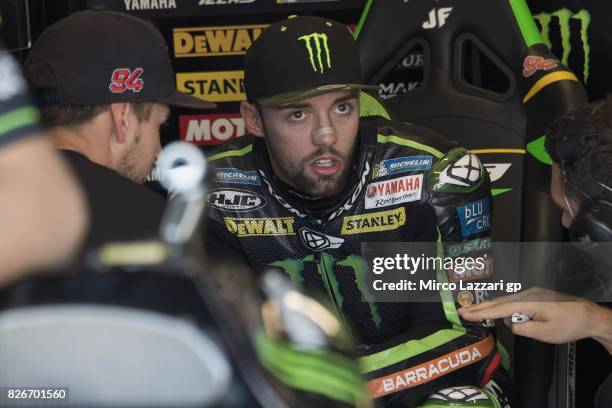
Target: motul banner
pixel 211 129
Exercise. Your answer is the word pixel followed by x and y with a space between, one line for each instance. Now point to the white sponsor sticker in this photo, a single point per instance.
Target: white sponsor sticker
pixel 394 191
pixel 235 200
pixel 464 172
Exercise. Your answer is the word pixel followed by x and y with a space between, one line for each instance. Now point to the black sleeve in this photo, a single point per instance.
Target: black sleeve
pixel 220 245
pixel 461 197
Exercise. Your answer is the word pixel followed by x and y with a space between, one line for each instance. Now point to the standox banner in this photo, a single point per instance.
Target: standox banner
pixel 214 86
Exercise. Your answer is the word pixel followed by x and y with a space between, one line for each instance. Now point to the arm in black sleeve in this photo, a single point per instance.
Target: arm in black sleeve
pixel 219 244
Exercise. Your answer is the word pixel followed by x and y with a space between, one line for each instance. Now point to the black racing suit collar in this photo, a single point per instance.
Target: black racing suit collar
pixel 321 209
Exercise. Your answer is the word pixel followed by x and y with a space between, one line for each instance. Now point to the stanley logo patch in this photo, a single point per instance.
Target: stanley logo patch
pixel 374 222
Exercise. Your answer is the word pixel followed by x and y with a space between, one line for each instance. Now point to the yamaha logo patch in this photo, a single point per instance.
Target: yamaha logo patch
pixel 395 191
pixel 319 242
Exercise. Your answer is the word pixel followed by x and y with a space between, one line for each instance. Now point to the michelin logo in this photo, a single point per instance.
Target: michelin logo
pixel 232 175
pixel 402 165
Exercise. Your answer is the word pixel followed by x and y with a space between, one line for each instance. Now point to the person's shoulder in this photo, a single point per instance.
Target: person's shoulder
pixel 241 147
pixel 394 134
pixel 82 166
pixel 88 171
pixel 100 182
pixel 404 147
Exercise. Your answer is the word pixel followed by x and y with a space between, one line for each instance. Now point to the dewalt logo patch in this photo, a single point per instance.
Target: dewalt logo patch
pixel 214 86
pixel 374 222
pixel 258 227
pixel 214 41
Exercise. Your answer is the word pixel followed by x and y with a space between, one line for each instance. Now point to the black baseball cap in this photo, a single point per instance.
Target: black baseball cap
pixel 299 58
pixel 97 57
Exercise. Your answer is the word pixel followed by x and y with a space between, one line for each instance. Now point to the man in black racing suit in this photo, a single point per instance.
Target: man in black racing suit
pixel 314 181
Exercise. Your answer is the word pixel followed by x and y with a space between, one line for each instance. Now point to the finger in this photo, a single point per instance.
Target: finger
pixel 536 330
pixel 503 299
pixel 494 311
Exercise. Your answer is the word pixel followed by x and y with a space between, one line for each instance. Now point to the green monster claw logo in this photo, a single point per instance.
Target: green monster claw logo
pixel 319 43
pixel 295 268
pixel 564 16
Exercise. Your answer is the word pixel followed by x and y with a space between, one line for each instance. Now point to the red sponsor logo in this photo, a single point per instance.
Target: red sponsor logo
pixel 371 191
pixel 533 63
pixel 124 79
pixel 396 191
pixel 396 186
pixel 211 129
pixel 431 370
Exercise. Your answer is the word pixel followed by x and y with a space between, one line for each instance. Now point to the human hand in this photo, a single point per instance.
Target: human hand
pixel 555 317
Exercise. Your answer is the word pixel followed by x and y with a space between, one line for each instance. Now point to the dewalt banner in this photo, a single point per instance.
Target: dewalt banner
pixel 214 41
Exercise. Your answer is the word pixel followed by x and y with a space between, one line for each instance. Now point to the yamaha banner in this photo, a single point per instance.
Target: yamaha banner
pixel 196 8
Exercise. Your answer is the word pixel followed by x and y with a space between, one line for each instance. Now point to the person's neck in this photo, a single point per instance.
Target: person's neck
pixel 89 141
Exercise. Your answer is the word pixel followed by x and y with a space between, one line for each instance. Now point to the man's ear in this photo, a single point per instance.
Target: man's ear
pixel 120 118
pixel 252 119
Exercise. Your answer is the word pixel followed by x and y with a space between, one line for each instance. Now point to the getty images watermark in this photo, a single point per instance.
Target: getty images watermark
pixel 461 269
pixel 479 269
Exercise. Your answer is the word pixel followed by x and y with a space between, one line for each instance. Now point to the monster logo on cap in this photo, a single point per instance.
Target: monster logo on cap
pixel 317 39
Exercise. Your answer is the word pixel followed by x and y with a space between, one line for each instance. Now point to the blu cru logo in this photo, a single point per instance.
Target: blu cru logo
pixel 475 217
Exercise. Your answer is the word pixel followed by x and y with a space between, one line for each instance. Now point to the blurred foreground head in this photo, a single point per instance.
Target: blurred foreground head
pixel 43 215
